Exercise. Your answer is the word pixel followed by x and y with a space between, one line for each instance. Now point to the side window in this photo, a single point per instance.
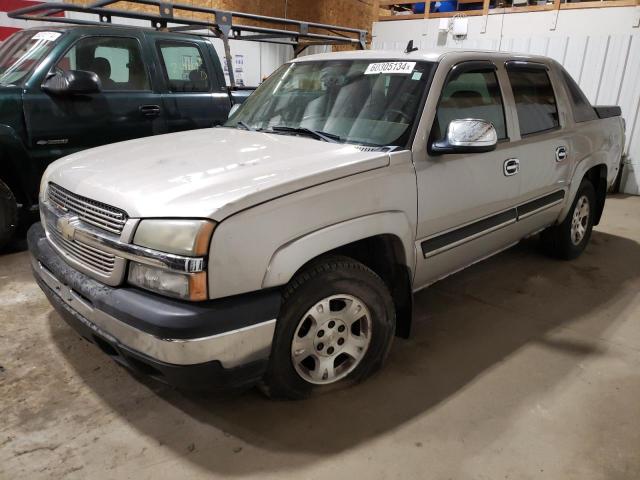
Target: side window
pixel 116 60
pixel 470 94
pixel 184 67
pixel 580 105
pixel 535 100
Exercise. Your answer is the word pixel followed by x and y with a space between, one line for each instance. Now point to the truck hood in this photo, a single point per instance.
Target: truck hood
pixel 210 173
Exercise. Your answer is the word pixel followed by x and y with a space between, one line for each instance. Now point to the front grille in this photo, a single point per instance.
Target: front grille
pixel 84 254
pixel 89 211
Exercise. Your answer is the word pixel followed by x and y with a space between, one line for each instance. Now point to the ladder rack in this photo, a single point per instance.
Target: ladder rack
pixel 218 23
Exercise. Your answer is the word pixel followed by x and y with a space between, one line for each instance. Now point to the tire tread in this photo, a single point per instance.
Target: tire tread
pixel 11 210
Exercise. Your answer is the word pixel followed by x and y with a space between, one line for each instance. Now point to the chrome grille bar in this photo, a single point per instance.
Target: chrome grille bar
pixel 90 211
pixel 84 253
pixel 108 244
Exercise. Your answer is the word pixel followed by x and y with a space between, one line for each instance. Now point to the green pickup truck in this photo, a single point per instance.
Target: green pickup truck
pixel 69 88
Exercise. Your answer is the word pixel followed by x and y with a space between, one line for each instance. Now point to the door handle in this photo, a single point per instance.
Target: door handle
pixel 511 167
pixel 561 153
pixel 149 110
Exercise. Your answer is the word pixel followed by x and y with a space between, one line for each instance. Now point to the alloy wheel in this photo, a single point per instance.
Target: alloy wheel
pixel 580 220
pixel 331 339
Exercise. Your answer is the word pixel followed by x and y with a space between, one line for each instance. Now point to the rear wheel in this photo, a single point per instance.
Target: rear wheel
pixel 569 239
pixel 8 214
pixel 335 328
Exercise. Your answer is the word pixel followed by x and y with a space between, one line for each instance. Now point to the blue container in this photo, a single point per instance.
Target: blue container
pixel 448 6
pixel 418 7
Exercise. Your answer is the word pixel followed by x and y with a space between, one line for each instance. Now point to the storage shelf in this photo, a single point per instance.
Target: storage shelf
pixel 556 5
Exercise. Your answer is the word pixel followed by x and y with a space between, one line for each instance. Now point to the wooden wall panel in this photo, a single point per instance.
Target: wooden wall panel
pixel 346 13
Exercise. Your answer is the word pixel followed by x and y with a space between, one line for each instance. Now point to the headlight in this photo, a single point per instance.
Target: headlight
pixel 187 286
pixel 182 237
pixel 188 238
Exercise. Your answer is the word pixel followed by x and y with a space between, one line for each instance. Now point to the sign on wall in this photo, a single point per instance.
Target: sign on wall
pixel 8 26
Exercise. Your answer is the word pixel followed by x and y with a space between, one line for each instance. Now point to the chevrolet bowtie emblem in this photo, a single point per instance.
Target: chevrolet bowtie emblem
pixel 67 227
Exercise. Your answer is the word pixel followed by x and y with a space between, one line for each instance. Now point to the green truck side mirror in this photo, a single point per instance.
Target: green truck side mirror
pixel 72 82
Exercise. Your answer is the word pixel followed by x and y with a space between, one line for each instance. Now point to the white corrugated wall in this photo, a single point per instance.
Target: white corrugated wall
pixel 600 48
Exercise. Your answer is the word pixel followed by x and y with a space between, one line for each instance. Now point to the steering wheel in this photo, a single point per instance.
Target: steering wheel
pixel 397 112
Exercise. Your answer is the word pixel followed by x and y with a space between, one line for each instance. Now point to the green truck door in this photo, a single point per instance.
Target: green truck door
pixel 193 94
pixel 124 109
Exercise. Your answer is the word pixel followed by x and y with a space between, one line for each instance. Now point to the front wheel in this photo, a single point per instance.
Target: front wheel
pixel 8 214
pixel 569 239
pixel 336 326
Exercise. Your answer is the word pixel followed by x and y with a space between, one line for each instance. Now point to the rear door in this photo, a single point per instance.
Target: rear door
pixel 126 107
pixel 193 94
pixel 466 202
pixel 544 148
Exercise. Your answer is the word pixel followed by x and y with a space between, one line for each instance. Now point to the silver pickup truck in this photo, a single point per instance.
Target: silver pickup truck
pixel 283 248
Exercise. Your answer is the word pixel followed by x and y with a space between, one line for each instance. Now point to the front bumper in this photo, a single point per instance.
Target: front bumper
pixel 211 345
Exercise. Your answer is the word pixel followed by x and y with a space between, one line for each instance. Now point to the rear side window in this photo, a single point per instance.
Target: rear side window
pixel 184 67
pixel 580 105
pixel 535 100
pixel 470 94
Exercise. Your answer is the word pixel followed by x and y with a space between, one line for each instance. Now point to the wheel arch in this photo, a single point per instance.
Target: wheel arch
pixel 597 175
pixel 381 241
pixel 595 170
pixel 14 166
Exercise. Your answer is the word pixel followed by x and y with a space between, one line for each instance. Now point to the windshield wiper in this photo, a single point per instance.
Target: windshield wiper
pixel 327 137
pixel 245 126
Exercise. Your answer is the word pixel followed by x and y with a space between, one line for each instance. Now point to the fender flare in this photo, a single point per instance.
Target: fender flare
pixel 290 257
pixel 586 164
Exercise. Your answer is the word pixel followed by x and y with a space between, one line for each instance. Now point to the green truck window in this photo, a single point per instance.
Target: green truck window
pixel 184 67
pixel 116 60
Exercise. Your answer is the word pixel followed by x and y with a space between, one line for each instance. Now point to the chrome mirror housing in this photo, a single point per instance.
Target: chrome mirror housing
pixel 468 135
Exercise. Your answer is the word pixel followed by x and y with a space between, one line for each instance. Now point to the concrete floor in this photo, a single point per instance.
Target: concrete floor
pixel 520 367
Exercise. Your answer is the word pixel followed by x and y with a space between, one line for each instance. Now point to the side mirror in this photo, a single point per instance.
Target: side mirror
pixel 467 135
pixel 72 82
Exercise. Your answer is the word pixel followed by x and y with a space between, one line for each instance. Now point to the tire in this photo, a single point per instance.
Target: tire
pixel 568 240
pixel 8 214
pixel 305 335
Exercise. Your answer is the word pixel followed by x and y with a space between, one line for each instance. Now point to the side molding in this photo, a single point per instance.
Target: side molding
pixel 293 255
pixel 441 242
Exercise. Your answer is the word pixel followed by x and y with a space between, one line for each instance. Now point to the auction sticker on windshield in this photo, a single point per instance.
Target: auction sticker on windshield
pixel 47 36
pixel 404 68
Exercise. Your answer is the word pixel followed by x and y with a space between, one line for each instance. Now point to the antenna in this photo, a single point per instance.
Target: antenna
pixel 410 48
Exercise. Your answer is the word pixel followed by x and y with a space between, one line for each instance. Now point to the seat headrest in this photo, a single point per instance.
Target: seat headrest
pixel 101 67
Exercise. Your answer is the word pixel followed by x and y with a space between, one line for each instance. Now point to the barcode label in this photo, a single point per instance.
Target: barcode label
pixel 403 68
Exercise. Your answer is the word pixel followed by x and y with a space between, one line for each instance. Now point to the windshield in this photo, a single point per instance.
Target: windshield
pixel 368 102
pixel 21 52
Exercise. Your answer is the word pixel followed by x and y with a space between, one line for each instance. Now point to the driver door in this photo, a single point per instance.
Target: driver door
pixel 124 109
pixel 466 202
